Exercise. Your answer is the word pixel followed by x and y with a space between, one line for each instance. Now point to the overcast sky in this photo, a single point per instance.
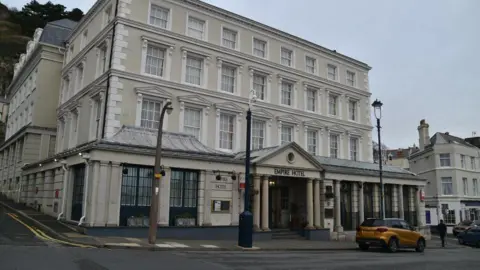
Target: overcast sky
pixel 424 55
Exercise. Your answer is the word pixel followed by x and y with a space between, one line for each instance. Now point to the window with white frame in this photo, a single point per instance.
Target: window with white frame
pixel 259 85
pixel 102 61
pixel 445 160
pixel 196 28
pixel 84 40
pixel 475 187
pixel 334 149
pixel 73 128
pixel 447 186
pixel 312 142
pixel 155 60
pixel 352 110
pixel 286 134
pixel 286 57
pixel 350 78
pixel 465 186
pixel 472 163
pixel 79 82
pixel 332 104
pixel 150 116
pixel 259 48
pixel 159 16
pixel 229 38
pixel 287 93
pixel 192 122
pixel 228 78
pixel 354 148
pixel 107 15
pixel 311 99
pixel 194 70
pixel 332 72
pixel 310 64
pixel 258 134
pixel 462 161
pixel 227 122
pixel 97 116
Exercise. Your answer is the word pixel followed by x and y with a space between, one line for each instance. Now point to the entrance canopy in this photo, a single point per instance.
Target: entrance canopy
pixel 289 160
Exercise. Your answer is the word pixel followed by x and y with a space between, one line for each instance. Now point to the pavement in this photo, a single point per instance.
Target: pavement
pixel 57 232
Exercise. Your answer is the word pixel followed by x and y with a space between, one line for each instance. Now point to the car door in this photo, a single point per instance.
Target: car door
pixel 468 236
pixel 399 230
pixel 409 234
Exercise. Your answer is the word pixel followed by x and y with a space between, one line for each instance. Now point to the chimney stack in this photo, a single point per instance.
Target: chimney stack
pixel 423 134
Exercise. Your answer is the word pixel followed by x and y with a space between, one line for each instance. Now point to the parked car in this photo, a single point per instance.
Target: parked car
pixel 470 237
pixel 389 233
pixel 464 225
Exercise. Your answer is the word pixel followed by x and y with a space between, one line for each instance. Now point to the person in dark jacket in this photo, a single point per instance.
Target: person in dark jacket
pixel 442 230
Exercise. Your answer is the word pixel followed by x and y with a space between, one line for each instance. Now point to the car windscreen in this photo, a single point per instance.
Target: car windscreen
pixel 373 223
pixel 466 223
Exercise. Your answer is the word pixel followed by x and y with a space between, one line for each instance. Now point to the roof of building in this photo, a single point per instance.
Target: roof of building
pixel 400 152
pixel 442 138
pixel 171 141
pixel 57 32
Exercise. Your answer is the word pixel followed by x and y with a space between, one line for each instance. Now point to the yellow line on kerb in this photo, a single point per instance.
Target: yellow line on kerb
pixel 40 234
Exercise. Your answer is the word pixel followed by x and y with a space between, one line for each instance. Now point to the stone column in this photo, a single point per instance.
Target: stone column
pixel 316 203
pixel 394 201
pixel 48 193
pixel 200 198
pixel 256 202
pixel 265 225
pixel 207 193
pixel 310 204
pixel 322 203
pixel 164 199
pixel 401 211
pixel 92 202
pixel 418 206
pixel 115 194
pixel 361 205
pixel 376 201
pixel 103 193
pixel 235 201
pixel 338 216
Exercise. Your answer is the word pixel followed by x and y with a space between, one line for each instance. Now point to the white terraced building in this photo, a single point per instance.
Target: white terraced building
pixel 312 159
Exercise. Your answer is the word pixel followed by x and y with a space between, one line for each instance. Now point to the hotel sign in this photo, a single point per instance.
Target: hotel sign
pixel 288 172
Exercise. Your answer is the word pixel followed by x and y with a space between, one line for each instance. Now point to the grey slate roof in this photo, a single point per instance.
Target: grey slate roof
pixel 171 141
pixel 57 32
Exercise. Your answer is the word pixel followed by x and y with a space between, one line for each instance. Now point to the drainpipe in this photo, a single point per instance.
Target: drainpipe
pixel 64 192
pixel 85 189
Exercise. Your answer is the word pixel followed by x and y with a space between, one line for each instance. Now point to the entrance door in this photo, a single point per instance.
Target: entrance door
pixel 183 197
pixel 346 206
pixel 136 193
pixel 278 207
pixel 77 195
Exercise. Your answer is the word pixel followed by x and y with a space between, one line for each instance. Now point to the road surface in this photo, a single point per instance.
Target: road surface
pixel 23 248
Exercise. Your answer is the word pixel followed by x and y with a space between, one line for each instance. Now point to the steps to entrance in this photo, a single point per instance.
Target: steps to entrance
pixel 286 234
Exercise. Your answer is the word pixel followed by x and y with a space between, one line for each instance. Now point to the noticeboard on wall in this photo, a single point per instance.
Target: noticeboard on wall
pixel 220 206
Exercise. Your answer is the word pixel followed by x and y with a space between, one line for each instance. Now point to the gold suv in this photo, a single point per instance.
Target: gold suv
pixel 389 233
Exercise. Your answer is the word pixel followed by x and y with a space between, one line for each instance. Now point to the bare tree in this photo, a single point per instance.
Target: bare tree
pixel 375 152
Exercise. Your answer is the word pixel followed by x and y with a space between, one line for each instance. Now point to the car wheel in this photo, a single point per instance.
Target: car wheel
pixel 420 245
pixel 363 246
pixel 392 245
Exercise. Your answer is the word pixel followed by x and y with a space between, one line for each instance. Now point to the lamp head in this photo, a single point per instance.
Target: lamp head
pixel 377 108
pixel 169 110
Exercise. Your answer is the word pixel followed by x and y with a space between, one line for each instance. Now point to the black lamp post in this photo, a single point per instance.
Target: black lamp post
pixel 158 173
pixel 377 107
pixel 245 226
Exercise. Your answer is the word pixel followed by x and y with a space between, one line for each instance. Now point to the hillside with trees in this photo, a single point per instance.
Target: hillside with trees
pixel 17 28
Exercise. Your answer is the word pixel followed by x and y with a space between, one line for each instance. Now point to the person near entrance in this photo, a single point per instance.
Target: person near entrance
pixel 442 230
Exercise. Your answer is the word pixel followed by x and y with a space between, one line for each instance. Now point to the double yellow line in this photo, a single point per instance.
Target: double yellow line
pixel 38 233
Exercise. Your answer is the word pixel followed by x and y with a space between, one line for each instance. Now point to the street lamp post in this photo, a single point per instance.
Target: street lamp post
pixel 377 107
pixel 158 173
pixel 245 225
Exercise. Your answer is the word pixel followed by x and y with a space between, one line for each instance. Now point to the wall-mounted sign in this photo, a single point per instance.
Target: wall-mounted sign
pixel 221 186
pixel 288 172
pixel 220 206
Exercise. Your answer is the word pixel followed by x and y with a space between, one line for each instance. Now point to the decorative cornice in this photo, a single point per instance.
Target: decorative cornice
pixel 146 39
pixel 337 128
pixel 229 106
pixel 260 112
pixel 186 49
pixel 229 61
pixel 289 119
pixel 155 91
pixel 195 99
pixel 314 123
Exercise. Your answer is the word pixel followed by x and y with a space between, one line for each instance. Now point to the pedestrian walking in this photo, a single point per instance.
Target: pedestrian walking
pixel 442 230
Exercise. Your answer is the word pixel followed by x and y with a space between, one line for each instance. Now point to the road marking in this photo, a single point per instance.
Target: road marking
pixel 164 246
pixel 123 244
pixel 176 245
pixel 40 234
pixel 209 246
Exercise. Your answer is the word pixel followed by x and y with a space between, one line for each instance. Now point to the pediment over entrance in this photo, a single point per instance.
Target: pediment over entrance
pixel 289 160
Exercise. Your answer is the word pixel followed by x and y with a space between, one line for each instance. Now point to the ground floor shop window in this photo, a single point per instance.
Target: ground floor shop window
pixel 136 195
pixel 183 197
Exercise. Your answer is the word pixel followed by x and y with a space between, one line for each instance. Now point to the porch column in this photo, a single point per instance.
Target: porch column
pixel 418 206
pixel 265 225
pixel 207 193
pixel 376 201
pixel 316 203
pixel 256 202
pixel 310 204
pixel 200 198
pixel 401 211
pixel 338 216
pixel 48 193
pixel 361 204
pixel 394 201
